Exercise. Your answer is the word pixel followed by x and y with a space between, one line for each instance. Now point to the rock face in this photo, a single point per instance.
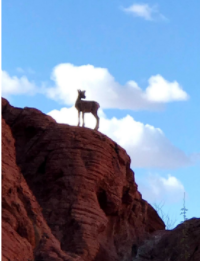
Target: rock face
pixel 25 234
pixel 180 244
pixel 68 193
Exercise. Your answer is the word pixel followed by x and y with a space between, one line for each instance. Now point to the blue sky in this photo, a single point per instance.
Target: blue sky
pixel 138 59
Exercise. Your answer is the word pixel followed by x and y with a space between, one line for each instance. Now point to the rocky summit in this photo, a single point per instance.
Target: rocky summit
pixel 68 193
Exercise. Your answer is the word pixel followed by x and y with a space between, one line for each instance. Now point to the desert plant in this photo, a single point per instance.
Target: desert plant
pixel 169 223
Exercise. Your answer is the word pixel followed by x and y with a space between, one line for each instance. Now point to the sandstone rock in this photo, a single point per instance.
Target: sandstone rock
pixel 25 234
pixel 83 183
pixel 180 244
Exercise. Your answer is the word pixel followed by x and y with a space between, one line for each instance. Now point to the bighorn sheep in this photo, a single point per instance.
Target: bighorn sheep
pixel 86 106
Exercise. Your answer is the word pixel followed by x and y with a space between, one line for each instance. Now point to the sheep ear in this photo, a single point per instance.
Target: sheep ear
pixel 78 91
pixel 84 91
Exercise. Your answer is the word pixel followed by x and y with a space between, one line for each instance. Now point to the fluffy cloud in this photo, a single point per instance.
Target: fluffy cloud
pixel 154 187
pixel 145 11
pixel 14 85
pixel 146 145
pixel 170 90
pixel 100 85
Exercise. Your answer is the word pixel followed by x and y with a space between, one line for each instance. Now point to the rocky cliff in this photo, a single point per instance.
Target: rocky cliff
pixel 68 193
pixel 25 233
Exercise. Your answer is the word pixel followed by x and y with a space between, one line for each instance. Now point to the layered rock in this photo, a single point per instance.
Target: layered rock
pixel 25 234
pixel 83 183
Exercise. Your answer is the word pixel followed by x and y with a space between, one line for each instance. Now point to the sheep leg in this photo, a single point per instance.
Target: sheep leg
pixel 78 118
pixel 83 123
pixel 97 123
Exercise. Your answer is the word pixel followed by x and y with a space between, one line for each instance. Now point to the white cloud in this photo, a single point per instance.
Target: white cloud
pixel 146 145
pixel 145 11
pixel 101 86
pixel 14 85
pixel 154 187
pixel 160 90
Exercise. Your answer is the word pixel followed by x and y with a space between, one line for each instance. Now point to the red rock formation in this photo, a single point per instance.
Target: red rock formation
pixel 180 244
pixel 83 182
pixel 25 234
